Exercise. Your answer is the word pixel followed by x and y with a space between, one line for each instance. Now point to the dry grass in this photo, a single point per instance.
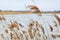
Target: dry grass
pixel 6 12
pixel 35 28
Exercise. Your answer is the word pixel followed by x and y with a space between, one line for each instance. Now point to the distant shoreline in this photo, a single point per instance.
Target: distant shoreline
pixel 28 12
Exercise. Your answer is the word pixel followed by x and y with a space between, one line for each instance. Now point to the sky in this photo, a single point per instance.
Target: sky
pixel 20 5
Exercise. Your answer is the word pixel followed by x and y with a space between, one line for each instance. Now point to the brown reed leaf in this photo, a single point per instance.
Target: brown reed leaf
pixel 51 28
pixel 2 18
pixel 37 24
pixel 21 25
pixel 55 23
pixel 43 30
pixel 34 32
pixel 57 19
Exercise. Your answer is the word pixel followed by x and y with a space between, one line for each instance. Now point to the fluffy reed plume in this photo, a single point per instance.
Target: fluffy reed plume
pixel 30 33
pixel 34 8
pixel 39 25
pixel 11 35
pixel 34 32
pixel 13 25
pixel 2 18
pixel 16 35
pixel 57 18
pixel 31 24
